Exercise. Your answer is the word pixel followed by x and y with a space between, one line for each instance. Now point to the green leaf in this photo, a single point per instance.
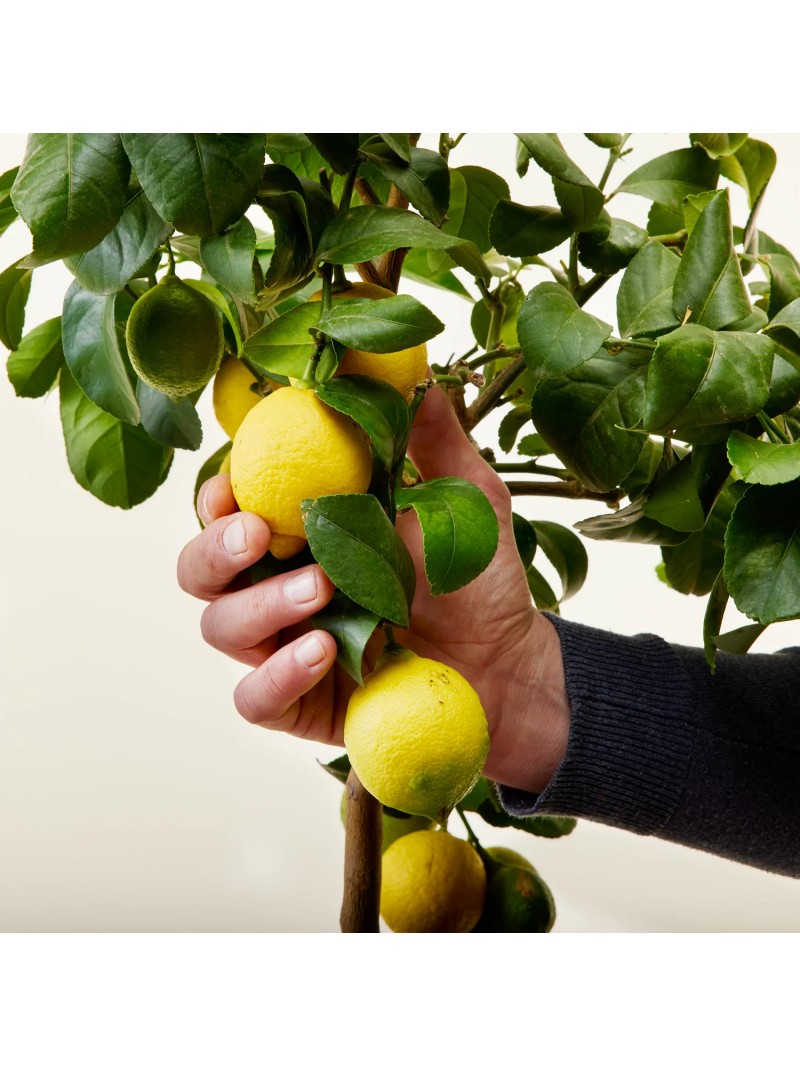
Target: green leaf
pixel 380 326
pixel 8 213
pixel 282 197
pixel 123 252
pixel 525 539
pixel 474 194
pixel 606 250
pixel 284 346
pixel 718 144
pixel 784 282
pixel 785 327
pixel 784 386
pixel 339 768
pixel 644 298
pixel 663 220
pixel 338 149
pixel 15 287
pixel 692 567
pixel 424 179
pixel 94 354
pixel 361 233
pixel 695 205
pixel 352 626
pixel 584 417
pixel 70 190
pixel 763 462
pixel 517 230
pixel 211 467
pixel 762 553
pixel 579 199
pixel 751 166
pixel 542 592
pixel 649 464
pixel 712 619
pixel 399 144
pixel 510 425
pixel 566 553
pixel 630 524
pixel 377 407
pixel 684 496
pixel 739 641
pixel 482 800
pixel 671 177
pixel 229 258
pixel 709 281
pixel 221 303
pixel 416 266
pixel 459 530
pixel 172 423
pixel 118 463
pixel 606 140
pixel 200 182
pixel 700 378
pixel 555 335
pixel 533 444
pixel 33 368
pixel 358 548
pixel 480 319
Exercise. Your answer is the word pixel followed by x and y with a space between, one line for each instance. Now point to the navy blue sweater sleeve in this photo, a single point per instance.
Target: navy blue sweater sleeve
pixel 658 745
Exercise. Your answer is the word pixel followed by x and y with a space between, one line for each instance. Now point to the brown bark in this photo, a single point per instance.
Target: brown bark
pixel 362 860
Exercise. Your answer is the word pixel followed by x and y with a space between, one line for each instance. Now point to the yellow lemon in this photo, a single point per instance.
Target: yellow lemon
pixel 174 338
pixel 403 369
pixel 232 395
pixel 416 735
pixel 433 883
pixel 393 825
pixel 291 446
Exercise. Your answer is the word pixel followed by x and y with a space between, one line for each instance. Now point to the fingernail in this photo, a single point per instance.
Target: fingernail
pixel 301 589
pixel 202 510
pixel 234 538
pixel 311 651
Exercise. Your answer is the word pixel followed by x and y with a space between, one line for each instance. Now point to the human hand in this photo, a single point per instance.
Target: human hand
pixel 489 631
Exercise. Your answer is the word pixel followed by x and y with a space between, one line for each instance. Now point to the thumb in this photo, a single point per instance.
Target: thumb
pixel 439 447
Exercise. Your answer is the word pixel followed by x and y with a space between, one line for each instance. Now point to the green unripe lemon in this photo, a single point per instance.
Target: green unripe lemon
pixel 517 902
pixel 174 337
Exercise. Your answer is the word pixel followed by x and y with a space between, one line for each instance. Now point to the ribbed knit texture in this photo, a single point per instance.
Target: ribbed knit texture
pixel 659 746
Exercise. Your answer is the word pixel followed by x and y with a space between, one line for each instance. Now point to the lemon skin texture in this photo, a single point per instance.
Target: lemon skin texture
pixel 232 396
pixel 403 369
pixel 174 338
pixel 290 447
pixel 509 858
pixel 517 902
pixel 416 735
pixel 433 883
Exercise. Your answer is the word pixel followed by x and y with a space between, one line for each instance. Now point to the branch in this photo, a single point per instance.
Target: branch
pixel 362 860
pixel 489 398
pixel 572 488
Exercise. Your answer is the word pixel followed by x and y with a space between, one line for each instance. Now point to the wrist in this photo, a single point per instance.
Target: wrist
pixel 531 728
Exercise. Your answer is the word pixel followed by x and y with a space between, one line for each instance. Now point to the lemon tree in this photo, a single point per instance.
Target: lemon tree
pixel 275 265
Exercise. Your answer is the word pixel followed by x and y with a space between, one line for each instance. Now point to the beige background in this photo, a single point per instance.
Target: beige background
pixel 132 797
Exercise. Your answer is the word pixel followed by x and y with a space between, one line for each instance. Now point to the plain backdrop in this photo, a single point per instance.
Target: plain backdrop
pixel 133 797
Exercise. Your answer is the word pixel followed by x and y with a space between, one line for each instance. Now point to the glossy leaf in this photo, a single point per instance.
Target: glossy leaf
pixel 377 407
pixel 533 444
pixel 118 463
pixel 399 144
pixel 695 205
pixel 579 199
pixel 685 495
pixel 338 149
pixel 358 548
pixel 700 378
pixel 122 253
pixel 94 355
pixel 8 213
pixel 566 553
pixel 709 282
pixel 555 335
pixel 222 304
pixel 785 327
pixel 663 220
pixel 644 298
pixel 480 319
pixel 712 618
pixel 763 462
pixel 510 425
pixel 524 538
pixel 170 422
pixel 424 180
pixel 762 553
pixel 630 524
pixel 200 182
pixel 544 596
pixel 739 641
pixel 584 416
pixel 474 195
pixel 281 196
pixel 285 345
pixel 229 257
pixel 784 282
pixel 784 386
pixel 352 626
pixel 365 232
pixel 380 326
pixel 459 530
pixel 718 144
pixel 751 166
pixel 70 190
pixel 606 250
pixel 692 567
pixel 15 287
pixel 33 368
pixel 416 266
pixel 671 177
pixel 517 230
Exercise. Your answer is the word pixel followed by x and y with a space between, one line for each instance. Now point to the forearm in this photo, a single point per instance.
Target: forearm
pixel 657 745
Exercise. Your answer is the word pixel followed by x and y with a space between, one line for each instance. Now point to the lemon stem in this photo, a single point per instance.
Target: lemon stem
pixel 339 276
pixel 391 645
pixel 171 268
